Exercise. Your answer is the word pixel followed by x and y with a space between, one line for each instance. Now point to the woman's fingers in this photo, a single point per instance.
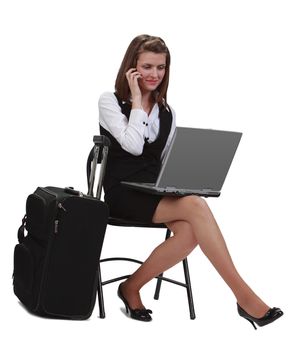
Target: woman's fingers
pixel 132 76
pixel 133 73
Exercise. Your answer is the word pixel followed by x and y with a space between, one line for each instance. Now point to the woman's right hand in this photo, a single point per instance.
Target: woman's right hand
pixel 132 76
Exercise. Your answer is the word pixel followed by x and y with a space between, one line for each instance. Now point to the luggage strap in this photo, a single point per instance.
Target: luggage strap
pixel 20 233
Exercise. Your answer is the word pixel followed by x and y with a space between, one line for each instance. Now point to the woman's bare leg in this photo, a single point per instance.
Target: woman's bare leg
pixel 166 255
pixel 196 219
pixel 196 211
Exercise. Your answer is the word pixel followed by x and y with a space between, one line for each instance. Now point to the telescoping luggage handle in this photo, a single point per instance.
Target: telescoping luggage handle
pixel 100 142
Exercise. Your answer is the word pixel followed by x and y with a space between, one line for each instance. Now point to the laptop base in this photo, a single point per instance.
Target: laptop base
pixel 169 191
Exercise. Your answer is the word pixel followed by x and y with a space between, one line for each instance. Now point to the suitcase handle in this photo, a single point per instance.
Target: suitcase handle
pixel 71 190
pixel 101 143
pixel 101 140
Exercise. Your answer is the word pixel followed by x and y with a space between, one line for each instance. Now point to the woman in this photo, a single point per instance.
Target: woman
pixel 140 125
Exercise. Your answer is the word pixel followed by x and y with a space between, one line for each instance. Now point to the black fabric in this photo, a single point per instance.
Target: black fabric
pixel 55 264
pixel 123 166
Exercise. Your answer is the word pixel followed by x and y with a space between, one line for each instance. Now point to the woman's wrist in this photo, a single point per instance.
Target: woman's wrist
pixel 137 103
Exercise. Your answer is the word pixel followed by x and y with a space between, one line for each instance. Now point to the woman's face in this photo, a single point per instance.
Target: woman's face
pixel 151 66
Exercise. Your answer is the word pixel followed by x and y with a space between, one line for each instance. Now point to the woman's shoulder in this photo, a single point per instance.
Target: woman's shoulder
pixel 173 113
pixel 107 97
pixel 167 106
pixel 170 109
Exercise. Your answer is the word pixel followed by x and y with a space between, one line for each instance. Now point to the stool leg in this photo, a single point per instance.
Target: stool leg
pixel 158 287
pixel 100 294
pixel 189 289
pixel 159 280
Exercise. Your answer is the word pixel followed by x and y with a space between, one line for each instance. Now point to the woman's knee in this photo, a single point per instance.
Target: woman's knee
pixel 193 205
pixel 179 208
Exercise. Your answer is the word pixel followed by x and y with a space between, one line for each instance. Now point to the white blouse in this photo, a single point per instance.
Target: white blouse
pixel 131 134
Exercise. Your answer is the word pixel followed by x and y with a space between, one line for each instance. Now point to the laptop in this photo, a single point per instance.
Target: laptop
pixel 197 162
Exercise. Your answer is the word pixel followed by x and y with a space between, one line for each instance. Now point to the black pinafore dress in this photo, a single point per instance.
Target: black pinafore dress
pixel 127 203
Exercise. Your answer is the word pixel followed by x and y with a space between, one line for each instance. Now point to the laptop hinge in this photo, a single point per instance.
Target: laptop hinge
pixel 170 189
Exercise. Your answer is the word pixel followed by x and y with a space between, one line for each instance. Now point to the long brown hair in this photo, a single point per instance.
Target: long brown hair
pixel 142 43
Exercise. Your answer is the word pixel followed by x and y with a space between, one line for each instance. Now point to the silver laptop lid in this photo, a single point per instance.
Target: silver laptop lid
pixel 198 159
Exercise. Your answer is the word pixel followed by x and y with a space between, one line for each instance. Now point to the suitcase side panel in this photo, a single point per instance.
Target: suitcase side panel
pixel 71 274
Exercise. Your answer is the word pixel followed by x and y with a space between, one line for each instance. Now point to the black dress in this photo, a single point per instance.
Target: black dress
pixel 127 203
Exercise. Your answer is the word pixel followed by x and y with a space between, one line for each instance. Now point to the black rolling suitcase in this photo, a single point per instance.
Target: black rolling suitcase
pixel 56 259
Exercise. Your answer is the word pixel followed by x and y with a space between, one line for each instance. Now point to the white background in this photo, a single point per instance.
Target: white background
pixel 232 69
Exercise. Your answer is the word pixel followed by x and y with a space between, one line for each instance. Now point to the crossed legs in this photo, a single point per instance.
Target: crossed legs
pixel 192 223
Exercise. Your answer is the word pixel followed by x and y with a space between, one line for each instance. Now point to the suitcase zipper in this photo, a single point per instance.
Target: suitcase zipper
pixel 56 222
pixel 60 206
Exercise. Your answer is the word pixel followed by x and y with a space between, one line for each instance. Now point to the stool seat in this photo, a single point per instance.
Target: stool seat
pixel 131 223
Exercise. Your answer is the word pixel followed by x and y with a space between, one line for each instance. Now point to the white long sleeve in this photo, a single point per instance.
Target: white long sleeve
pixel 130 134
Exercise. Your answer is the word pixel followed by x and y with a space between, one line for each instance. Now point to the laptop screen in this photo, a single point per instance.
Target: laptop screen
pixel 198 159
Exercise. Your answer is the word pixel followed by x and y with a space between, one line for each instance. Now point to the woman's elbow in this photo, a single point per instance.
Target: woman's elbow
pixel 135 151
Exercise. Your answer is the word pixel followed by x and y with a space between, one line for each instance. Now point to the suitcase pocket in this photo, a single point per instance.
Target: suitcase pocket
pixel 27 271
pixel 23 274
pixel 37 211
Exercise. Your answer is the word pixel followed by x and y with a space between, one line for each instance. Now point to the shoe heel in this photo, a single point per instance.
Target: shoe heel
pixel 137 314
pixel 253 324
pixel 123 299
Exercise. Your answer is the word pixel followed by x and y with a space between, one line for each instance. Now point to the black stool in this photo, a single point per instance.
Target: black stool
pixel 98 155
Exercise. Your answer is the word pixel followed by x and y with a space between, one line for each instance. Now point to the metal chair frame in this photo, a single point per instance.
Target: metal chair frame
pixel 98 155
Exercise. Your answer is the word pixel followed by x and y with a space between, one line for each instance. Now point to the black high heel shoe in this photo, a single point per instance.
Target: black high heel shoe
pixel 272 315
pixel 137 314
